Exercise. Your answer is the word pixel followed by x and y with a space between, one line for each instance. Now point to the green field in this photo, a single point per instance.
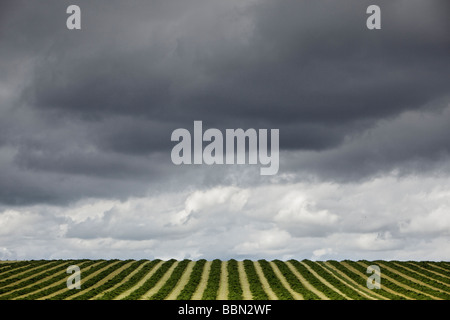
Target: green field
pixel 223 280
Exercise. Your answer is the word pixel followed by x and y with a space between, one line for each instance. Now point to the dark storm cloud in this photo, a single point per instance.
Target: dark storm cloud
pixel 299 63
pixel 411 143
pixel 40 182
pixel 90 112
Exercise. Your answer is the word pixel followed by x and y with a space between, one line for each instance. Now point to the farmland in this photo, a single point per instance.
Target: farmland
pixel 223 280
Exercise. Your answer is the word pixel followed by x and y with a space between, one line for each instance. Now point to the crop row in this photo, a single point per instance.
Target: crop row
pixel 145 269
pixel 275 283
pixel 151 282
pixel 315 282
pixel 419 284
pixel 431 272
pixel 91 292
pixel 213 281
pixel 171 282
pixel 362 280
pixel 234 285
pixel 9 269
pixel 335 281
pixel 107 268
pixel 194 280
pixel 131 280
pixel 256 287
pixel 294 282
pixel 12 277
pixel 34 284
pixel 59 287
pixel 385 282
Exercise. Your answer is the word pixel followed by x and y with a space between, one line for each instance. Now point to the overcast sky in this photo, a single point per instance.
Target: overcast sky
pixel 86 118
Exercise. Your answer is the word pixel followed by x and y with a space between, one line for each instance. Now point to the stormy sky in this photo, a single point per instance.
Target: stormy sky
pixel 86 118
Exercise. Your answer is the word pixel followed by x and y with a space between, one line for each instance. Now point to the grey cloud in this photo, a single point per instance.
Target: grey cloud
pixel 387 218
pixel 88 115
pixel 410 143
pixel 284 70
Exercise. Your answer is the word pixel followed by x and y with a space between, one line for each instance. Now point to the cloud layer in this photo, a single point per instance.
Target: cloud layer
pixel 86 118
pixel 385 218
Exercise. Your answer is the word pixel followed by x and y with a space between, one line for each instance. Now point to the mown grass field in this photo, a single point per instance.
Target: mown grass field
pixel 223 280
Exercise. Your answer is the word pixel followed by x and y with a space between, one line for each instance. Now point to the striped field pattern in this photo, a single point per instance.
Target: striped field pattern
pixel 223 280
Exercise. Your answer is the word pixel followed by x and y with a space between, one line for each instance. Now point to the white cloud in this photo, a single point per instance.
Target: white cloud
pixel 263 242
pixel 387 217
pixel 233 197
pixel 299 211
pixel 435 222
pixel 376 241
pixel 320 253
